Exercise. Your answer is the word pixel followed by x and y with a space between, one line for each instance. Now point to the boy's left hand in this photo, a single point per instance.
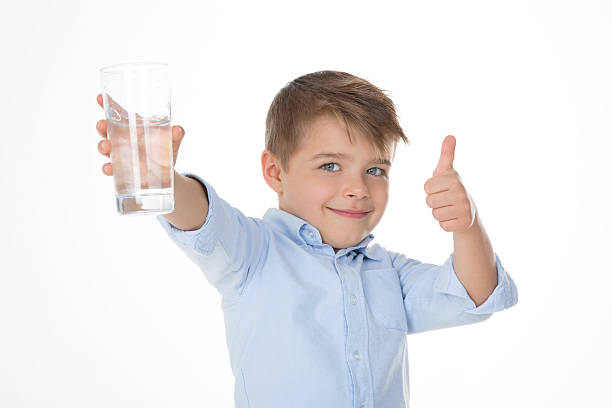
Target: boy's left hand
pixel 452 206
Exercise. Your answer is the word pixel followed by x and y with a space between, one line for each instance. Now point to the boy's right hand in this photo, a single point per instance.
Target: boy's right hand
pixel 104 146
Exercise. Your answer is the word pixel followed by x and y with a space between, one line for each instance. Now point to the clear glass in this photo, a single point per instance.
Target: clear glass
pixel 137 109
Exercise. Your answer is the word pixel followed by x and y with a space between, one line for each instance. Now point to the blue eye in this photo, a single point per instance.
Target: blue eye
pixel 328 164
pixel 327 168
pixel 382 172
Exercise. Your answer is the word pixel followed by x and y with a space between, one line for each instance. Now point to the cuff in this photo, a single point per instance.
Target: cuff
pixel 504 295
pixel 203 238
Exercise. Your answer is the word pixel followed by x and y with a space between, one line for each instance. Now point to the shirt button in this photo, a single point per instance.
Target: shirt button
pixel 356 356
pixel 353 300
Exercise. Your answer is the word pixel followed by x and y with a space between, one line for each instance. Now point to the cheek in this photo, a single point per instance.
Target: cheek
pixel 311 192
pixel 380 194
pixel 318 192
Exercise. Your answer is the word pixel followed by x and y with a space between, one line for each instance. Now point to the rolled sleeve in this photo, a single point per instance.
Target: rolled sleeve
pixel 503 296
pixel 227 247
pixel 203 239
pixel 434 298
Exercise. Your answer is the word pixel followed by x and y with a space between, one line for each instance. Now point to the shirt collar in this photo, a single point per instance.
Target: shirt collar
pixel 303 233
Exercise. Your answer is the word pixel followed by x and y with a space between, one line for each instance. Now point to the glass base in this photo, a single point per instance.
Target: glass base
pixel 149 204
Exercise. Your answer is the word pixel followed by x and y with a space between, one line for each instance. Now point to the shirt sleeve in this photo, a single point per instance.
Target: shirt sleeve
pixel 227 248
pixel 434 298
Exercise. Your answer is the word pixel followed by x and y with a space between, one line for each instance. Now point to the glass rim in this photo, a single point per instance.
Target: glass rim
pixel 132 66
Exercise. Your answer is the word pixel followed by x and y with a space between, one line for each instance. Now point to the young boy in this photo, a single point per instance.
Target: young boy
pixel 314 316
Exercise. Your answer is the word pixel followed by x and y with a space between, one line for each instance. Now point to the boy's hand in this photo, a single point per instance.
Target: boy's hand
pixel 452 206
pixel 104 147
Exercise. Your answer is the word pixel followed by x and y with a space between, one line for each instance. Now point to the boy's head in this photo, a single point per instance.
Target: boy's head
pixel 331 112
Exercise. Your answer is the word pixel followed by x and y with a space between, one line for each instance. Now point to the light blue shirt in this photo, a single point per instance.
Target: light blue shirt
pixel 307 327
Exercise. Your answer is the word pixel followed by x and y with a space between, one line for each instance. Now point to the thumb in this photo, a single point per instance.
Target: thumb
pixel 177 134
pixel 177 137
pixel 447 155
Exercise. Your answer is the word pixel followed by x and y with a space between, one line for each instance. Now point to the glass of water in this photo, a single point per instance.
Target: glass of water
pixel 137 110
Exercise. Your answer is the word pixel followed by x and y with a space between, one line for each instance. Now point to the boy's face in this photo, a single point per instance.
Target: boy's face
pixel 316 185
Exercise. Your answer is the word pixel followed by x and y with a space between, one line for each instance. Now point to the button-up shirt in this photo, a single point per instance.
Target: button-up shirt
pixel 307 327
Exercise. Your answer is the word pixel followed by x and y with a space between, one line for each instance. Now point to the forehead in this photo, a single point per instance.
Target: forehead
pixel 325 128
pixel 328 134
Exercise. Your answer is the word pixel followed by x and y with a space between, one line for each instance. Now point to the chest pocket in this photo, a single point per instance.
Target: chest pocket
pixel 384 298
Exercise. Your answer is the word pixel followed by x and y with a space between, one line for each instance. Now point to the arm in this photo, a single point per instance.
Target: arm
pixel 474 261
pixel 434 298
pixel 225 244
pixel 190 204
pixel 439 296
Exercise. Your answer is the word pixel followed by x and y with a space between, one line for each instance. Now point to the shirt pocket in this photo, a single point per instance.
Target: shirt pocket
pixel 384 298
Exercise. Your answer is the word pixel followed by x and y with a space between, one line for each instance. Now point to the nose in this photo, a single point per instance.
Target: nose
pixel 356 188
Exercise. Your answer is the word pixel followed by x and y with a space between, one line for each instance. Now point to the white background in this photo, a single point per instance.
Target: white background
pixel 98 310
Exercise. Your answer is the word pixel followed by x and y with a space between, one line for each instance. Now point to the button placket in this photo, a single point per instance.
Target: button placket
pixel 357 340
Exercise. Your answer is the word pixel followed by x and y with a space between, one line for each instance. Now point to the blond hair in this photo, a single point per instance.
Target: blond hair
pixel 353 100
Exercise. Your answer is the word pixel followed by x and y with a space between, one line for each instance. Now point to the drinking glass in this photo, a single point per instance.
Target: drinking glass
pixel 137 110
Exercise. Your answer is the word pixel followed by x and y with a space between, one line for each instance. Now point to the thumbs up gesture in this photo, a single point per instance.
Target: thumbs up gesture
pixel 452 206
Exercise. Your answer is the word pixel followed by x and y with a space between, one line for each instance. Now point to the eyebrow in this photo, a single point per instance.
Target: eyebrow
pixel 345 156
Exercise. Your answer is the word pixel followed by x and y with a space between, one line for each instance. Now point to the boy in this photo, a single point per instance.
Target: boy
pixel 314 316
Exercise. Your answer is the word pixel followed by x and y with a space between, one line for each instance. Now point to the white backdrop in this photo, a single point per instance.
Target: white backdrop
pixel 98 310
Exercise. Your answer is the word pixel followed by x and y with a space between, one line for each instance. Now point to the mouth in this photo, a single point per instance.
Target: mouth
pixel 350 213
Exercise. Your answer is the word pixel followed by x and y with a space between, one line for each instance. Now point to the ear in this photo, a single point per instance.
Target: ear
pixel 271 168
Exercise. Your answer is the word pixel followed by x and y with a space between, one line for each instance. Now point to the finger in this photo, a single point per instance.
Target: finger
pixel 107 169
pixel 437 200
pixel 446 213
pixel 101 128
pixel 438 184
pixel 118 112
pixel 104 147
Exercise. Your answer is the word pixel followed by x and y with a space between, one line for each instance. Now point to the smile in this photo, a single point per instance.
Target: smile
pixel 350 214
